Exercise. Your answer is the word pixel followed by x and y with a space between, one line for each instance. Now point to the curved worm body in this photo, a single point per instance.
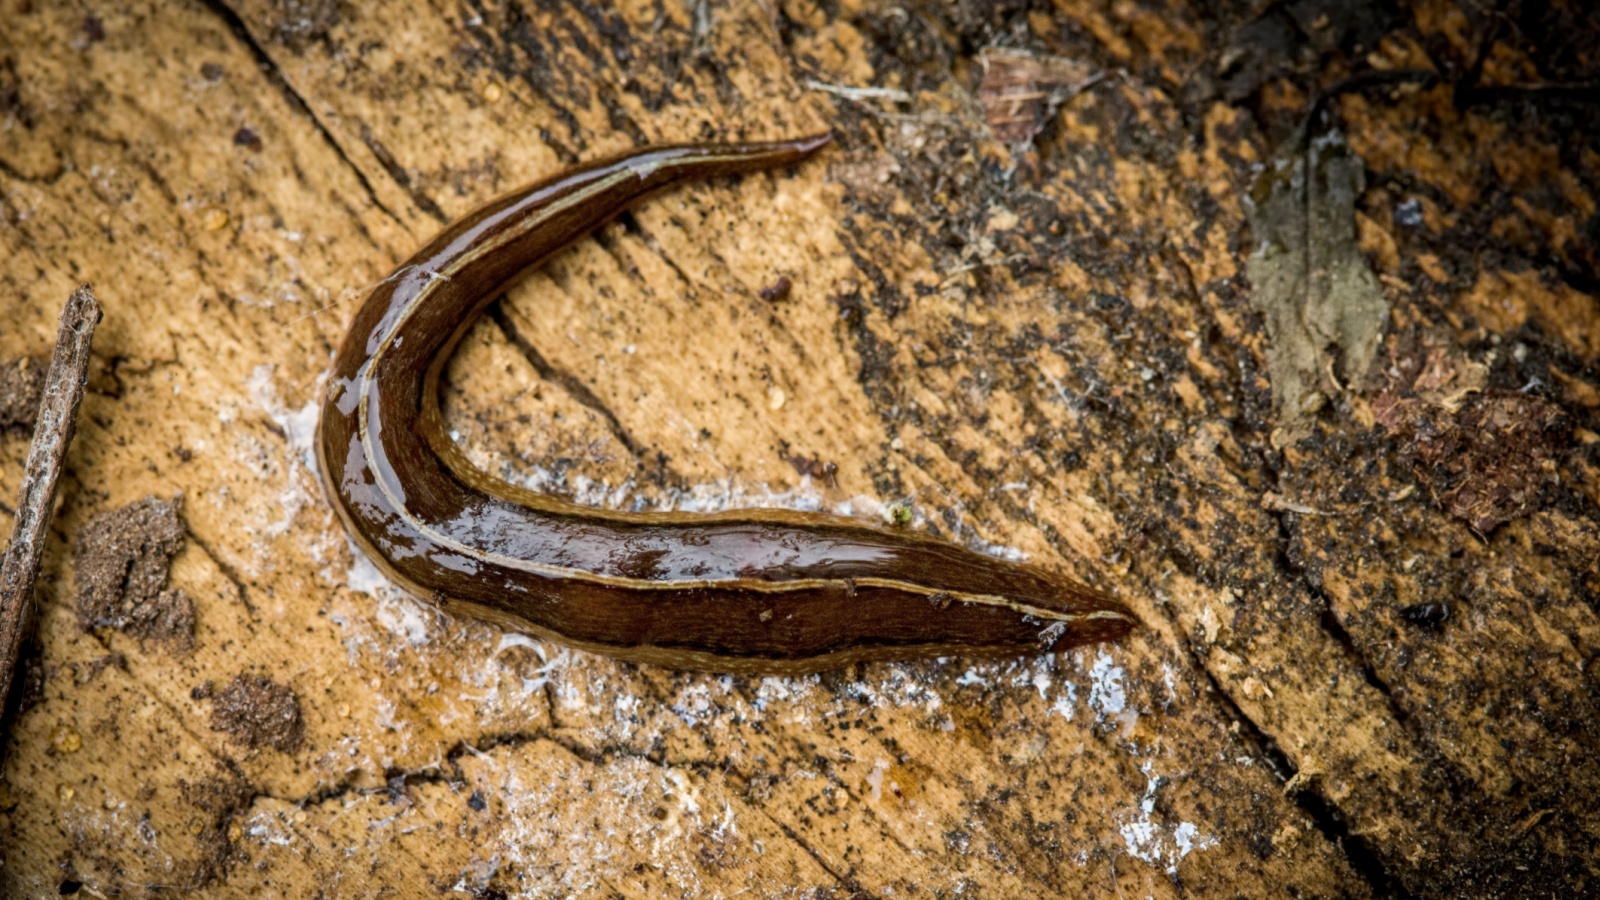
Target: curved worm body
pixel 751 591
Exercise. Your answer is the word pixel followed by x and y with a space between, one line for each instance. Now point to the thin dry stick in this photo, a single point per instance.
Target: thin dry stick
pixel 52 435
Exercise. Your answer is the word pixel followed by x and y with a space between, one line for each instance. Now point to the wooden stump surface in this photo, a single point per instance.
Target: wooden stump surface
pixel 1022 301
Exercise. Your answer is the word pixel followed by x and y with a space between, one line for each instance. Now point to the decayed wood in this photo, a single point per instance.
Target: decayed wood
pixel 54 426
pixel 1367 666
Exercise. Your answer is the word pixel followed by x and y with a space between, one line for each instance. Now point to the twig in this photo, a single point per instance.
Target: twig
pixel 52 435
pixel 858 93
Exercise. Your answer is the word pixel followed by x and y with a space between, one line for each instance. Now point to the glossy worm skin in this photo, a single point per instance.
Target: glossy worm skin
pixel 746 591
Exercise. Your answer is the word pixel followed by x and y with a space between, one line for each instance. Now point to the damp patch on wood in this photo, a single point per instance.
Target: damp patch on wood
pixel 122 561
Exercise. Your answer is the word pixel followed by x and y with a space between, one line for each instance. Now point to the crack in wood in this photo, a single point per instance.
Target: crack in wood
pixel 226 568
pixel 1324 814
pixel 399 175
pixel 560 377
pixel 275 76
pixel 845 880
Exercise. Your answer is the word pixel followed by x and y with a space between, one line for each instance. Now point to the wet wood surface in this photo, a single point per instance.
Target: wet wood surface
pixel 1027 295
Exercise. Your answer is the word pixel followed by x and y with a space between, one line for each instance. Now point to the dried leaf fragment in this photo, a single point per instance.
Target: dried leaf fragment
pixel 1309 281
pixel 1487 462
pixel 1021 91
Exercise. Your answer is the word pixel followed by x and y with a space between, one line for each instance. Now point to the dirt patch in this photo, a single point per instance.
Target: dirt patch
pixel 21 386
pixel 256 711
pixel 167 620
pixel 122 562
pixel 220 798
